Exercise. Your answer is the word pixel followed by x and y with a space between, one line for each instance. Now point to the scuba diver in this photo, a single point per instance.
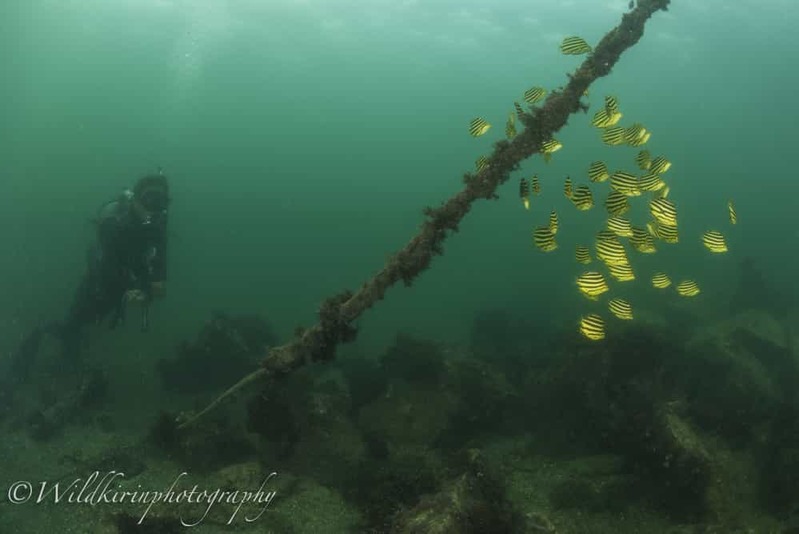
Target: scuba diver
pixel 127 263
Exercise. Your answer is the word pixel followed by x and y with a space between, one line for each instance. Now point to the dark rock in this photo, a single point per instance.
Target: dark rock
pixel 414 360
pixel 473 503
pixel 226 349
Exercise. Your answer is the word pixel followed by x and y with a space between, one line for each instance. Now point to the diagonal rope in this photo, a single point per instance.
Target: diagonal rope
pixel 337 313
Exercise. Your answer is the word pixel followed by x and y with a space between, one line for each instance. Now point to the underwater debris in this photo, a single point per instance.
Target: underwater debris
pixel 319 342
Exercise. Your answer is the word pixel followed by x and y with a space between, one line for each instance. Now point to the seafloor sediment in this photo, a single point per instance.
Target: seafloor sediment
pixel 659 429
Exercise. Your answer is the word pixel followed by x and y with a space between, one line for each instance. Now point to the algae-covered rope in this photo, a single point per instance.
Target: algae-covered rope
pixel 339 312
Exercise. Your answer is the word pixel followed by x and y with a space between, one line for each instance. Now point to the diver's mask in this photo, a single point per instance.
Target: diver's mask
pixel 152 206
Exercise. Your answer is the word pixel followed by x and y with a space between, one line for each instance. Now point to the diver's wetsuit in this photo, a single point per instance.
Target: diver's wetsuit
pixel 130 254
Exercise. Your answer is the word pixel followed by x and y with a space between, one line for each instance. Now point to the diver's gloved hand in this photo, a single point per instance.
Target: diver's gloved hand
pixel 134 295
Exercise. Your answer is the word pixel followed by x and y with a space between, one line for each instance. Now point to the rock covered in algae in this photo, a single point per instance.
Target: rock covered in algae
pixel 675 457
pixel 443 513
pixel 416 404
pixel 757 323
pixel 225 349
pixel 741 369
pixel 409 415
pixel 473 503
pixel 434 395
pixel 304 424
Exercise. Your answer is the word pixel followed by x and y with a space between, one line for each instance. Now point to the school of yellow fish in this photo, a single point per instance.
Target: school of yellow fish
pixel 649 182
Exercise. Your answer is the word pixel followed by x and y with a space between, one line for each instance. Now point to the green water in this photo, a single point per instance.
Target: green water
pixel 303 138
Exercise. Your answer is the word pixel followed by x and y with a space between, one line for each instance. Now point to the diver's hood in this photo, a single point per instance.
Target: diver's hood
pixel 152 192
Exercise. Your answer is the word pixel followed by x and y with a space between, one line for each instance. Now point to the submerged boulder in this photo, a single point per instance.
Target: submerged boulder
pixel 474 502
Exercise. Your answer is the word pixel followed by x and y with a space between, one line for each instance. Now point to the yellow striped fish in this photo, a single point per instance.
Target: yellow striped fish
pixel 660 165
pixel 481 163
pixel 625 183
pixel 642 140
pixel 478 126
pixel 582 255
pixel 544 239
pixel 510 126
pixel 642 241
pixel 660 281
pixel 651 182
pixel 620 226
pixel 664 211
pixel 665 232
pixel 582 198
pixel 663 193
pixel 535 186
pixel 733 215
pixel 622 273
pixel 534 94
pixel 613 135
pixel 592 284
pixel 688 288
pixel 554 224
pixel 606 235
pixel 611 251
pixel 634 133
pixel 524 193
pixel 550 146
pixel 592 327
pixel 645 245
pixel 616 203
pixel 574 46
pixel 621 309
pixel 567 187
pixel 519 110
pixel 714 241
pixel 611 105
pixel 603 119
pixel 644 160
pixel 598 171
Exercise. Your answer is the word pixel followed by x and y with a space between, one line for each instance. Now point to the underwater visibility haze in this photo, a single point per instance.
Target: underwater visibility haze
pixel 609 345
